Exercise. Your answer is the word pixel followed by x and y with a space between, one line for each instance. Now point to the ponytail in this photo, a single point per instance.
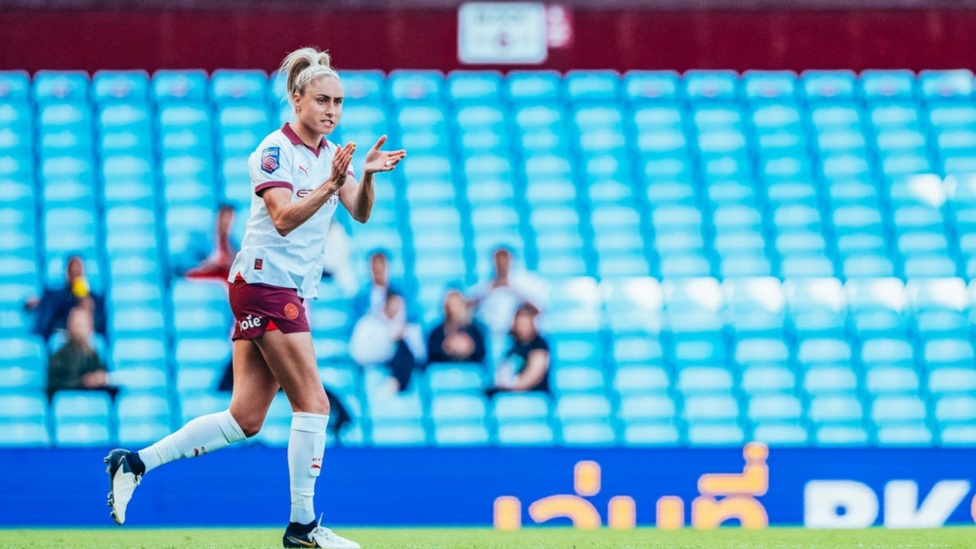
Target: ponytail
pixel 302 66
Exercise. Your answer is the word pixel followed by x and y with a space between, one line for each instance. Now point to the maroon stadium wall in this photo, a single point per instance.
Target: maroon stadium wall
pixel 426 38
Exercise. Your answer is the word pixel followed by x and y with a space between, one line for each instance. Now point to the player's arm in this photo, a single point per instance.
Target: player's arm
pixel 357 197
pixel 287 215
pixel 536 366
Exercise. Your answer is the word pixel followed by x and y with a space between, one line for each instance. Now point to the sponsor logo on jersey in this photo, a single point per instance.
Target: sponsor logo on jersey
pixel 269 159
pixel 304 170
pixel 302 193
pixel 258 263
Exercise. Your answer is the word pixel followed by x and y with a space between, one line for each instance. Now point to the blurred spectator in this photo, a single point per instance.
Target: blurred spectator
pixel 525 367
pixel 385 338
pixel 457 338
pixel 213 255
pixel 76 365
pixel 372 297
pixel 498 298
pixel 55 304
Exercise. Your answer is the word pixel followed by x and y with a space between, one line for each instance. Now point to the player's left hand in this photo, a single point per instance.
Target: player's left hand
pixel 382 161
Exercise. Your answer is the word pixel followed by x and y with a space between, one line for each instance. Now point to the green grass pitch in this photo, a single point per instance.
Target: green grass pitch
pixel 478 538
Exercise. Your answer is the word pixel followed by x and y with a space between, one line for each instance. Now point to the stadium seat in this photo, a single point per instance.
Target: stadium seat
pixel 525 434
pixel 588 434
pixel 640 86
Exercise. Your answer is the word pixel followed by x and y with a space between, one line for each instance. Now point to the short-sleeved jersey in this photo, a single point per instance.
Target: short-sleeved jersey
pixel 296 260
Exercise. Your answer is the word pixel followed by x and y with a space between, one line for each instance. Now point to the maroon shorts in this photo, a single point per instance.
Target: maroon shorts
pixel 258 308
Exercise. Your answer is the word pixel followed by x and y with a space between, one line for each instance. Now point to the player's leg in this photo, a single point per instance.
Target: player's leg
pixel 253 384
pixel 291 358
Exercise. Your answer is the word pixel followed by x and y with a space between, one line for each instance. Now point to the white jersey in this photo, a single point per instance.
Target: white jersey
pixel 296 260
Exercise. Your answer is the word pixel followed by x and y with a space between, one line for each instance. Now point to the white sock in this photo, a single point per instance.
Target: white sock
pixel 199 436
pixel 306 446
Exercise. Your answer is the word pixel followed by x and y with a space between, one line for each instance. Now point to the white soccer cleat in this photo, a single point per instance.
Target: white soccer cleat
pixel 320 536
pixel 328 539
pixel 122 482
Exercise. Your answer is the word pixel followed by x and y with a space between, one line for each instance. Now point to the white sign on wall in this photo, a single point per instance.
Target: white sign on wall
pixel 502 32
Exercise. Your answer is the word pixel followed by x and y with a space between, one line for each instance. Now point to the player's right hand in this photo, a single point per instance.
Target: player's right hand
pixel 340 164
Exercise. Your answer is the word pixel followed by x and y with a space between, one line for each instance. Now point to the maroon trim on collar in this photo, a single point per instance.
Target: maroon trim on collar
pixel 295 140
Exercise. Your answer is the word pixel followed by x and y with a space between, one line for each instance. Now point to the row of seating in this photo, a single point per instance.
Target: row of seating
pixel 427 85
pixel 452 418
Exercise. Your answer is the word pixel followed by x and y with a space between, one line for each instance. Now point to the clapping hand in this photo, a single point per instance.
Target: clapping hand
pixel 382 161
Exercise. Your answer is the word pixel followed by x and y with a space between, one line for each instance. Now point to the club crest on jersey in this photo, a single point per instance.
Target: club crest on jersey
pixel 269 159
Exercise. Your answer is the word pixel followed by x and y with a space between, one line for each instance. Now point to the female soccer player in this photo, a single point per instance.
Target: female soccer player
pixel 299 178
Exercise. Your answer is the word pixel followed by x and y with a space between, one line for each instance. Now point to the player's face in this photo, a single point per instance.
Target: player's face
pixel 320 108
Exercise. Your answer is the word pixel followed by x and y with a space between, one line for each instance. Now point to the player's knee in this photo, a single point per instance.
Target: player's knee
pixel 251 427
pixel 321 407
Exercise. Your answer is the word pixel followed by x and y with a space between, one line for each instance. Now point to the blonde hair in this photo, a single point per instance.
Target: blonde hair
pixel 302 66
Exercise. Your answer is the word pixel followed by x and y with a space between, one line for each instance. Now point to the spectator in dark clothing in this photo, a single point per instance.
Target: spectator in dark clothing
pixel 525 367
pixel 76 365
pixel 54 305
pixel 457 338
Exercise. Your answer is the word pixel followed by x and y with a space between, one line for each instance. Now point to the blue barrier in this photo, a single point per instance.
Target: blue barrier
pixel 479 486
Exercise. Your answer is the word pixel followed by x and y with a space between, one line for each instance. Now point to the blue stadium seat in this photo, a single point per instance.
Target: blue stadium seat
pixel 820 85
pixel 886 352
pixel 663 433
pixel 398 434
pixel 879 85
pixel 779 434
pixel 61 86
pixel 582 407
pixel 951 380
pixel 519 407
pixel 884 379
pixel 703 379
pixel 775 407
pixel 721 433
pixel 904 434
pixel 955 409
pixel 474 86
pixel 701 85
pixel 361 86
pixel 457 408
pixel 415 86
pixel 943 352
pixel 898 409
pixel 640 86
pixel 710 408
pixel 238 85
pixel 769 85
pixel 179 85
pixel 525 434
pixel 755 306
pixel 15 86
pixel 767 379
pixel 129 86
pixel 946 84
pixel 816 305
pixel 461 434
pixel 841 435
pixel 533 86
pixel 592 85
